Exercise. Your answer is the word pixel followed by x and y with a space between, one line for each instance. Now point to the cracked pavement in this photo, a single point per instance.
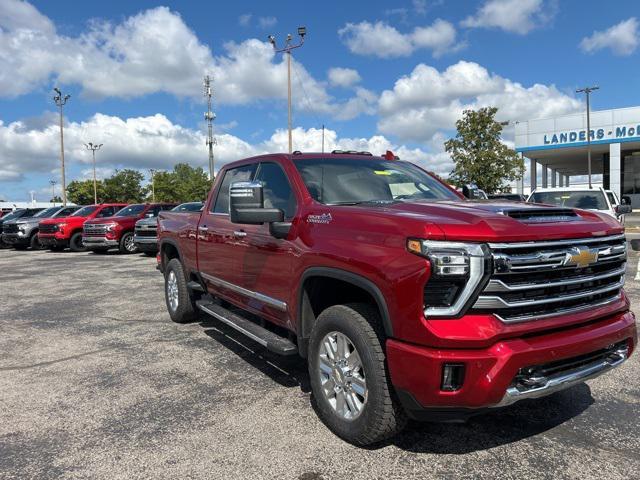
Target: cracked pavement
pixel 97 382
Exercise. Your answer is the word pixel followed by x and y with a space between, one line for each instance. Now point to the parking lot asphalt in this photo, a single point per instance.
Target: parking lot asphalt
pixel 97 382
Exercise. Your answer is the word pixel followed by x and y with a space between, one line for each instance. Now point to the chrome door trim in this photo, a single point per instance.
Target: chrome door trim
pixel 273 302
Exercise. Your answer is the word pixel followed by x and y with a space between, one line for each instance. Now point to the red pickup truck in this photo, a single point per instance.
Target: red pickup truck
pixel 405 298
pixel 61 233
pixel 102 234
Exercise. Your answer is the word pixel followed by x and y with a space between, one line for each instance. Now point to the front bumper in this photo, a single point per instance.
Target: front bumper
pixel 52 241
pixel 15 239
pixel 99 242
pixel 490 373
pixel 146 244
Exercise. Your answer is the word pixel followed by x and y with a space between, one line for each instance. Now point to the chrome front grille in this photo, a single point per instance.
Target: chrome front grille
pixel 532 281
pixel 48 228
pixel 147 231
pixel 95 230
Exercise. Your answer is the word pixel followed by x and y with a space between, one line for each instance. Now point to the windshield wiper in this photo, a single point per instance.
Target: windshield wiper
pixel 363 202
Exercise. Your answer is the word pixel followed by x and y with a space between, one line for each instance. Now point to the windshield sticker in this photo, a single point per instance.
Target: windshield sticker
pixel 322 219
pixel 386 172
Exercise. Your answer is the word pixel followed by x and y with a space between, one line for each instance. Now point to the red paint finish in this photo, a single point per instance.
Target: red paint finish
pixel 370 242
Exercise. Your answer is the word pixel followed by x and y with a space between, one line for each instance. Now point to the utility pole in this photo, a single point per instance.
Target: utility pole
pixel 153 185
pixel 209 116
pixel 60 101
pixel 93 148
pixel 53 191
pixel 302 31
pixel 587 91
pixel 323 138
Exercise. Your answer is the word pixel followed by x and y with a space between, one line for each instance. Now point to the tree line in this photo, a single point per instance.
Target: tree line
pixel 183 184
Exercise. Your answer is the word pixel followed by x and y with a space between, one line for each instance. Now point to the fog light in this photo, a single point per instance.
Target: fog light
pixel 452 377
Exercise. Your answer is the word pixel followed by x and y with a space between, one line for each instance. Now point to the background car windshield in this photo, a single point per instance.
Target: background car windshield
pixel 348 181
pixel 130 211
pixel 188 207
pixel 46 213
pixel 85 211
pixel 585 199
pixel 12 215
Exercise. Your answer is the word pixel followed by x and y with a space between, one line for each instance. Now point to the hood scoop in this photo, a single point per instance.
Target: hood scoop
pixel 542 215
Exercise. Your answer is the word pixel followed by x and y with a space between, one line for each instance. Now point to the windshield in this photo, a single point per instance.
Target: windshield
pixel 349 181
pixel 188 207
pixel 131 210
pixel 12 215
pixel 46 213
pixel 587 199
pixel 85 211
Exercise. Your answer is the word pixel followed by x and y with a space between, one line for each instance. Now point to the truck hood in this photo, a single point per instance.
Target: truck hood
pixel 119 220
pixel 499 221
pixel 56 220
pixel 148 221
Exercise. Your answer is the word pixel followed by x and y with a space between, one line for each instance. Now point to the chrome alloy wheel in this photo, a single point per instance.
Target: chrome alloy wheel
pixel 129 244
pixel 342 376
pixel 172 290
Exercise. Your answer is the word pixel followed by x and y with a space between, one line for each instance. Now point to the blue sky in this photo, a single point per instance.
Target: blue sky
pixel 377 74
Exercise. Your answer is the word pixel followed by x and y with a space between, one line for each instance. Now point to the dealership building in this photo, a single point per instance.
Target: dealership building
pixel 557 148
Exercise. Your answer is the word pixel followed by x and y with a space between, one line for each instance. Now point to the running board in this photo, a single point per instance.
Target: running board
pixel 271 341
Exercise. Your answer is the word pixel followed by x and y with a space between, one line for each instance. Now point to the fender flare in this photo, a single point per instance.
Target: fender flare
pixel 354 279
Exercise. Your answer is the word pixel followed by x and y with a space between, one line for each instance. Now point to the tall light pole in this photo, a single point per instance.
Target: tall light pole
pixel 152 171
pixel 93 148
pixel 53 191
pixel 60 101
pixel 209 116
pixel 587 91
pixel 288 46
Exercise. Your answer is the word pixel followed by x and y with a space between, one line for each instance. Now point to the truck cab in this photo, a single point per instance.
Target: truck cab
pixel 406 299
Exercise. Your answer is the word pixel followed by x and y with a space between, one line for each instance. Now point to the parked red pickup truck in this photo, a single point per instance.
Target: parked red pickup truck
pixel 102 234
pixel 404 297
pixel 61 233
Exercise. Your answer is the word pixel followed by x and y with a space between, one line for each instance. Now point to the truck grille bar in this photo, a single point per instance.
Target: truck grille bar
pixel 48 228
pixel 532 281
pixel 97 230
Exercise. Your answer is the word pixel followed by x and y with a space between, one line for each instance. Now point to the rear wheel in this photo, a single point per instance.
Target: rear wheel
pixel 349 377
pixel 75 243
pixel 127 245
pixel 34 243
pixel 180 301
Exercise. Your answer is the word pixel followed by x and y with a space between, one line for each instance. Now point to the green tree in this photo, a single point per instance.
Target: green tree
pixel 478 154
pixel 124 186
pixel 80 192
pixel 56 199
pixel 183 184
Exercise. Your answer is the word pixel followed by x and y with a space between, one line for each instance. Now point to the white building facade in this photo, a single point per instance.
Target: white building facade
pixel 558 148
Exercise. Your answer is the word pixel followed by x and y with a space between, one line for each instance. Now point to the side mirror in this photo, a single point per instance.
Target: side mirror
pixel 626 200
pixel 246 205
pixel 623 209
pixel 471 191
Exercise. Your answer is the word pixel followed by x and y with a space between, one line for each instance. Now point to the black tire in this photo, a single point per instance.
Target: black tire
pixel 34 242
pixel 127 244
pixel 185 310
pixel 381 416
pixel 75 243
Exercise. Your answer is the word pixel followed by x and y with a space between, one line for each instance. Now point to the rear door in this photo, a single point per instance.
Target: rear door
pixel 218 238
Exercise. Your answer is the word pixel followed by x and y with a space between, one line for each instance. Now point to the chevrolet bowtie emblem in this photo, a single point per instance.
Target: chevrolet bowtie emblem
pixel 581 257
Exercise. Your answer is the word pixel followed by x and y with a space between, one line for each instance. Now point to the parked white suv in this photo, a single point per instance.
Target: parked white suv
pixel 596 199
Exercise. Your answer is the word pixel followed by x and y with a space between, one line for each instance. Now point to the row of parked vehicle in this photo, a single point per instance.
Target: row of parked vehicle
pixel 128 228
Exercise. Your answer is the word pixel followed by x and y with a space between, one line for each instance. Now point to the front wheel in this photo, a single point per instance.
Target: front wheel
pixel 34 243
pixel 127 245
pixel 180 302
pixel 349 377
pixel 75 243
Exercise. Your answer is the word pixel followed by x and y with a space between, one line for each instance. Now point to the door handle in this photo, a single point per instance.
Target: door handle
pixel 239 233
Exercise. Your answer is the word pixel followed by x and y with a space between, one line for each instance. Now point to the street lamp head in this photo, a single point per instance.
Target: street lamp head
pixel 57 90
pixel 272 40
pixel 302 31
pixel 289 37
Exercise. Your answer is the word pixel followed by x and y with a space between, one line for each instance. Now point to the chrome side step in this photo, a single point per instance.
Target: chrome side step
pixel 271 341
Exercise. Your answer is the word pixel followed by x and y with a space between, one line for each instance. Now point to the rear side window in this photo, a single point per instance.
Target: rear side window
pixel 106 212
pixel 65 212
pixel 276 189
pixel 238 174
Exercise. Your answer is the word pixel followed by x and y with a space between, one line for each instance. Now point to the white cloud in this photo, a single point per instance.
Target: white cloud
pixel 382 40
pixel 244 20
pixel 267 22
pixel 429 101
pixel 343 77
pixel 622 38
pixel 515 16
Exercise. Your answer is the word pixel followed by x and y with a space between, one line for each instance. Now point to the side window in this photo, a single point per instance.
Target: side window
pixel 167 207
pixel 276 188
pixel 155 210
pixel 239 174
pixel 66 212
pixel 106 212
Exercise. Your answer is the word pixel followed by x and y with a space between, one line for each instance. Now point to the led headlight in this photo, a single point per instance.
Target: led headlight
pixel 457 270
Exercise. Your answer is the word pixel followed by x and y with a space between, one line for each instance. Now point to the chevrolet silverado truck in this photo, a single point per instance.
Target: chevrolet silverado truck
pixel 102 234
pixel 405 298
pixel 145 234
pixel 23 232
pixel 14 215
pixel 60 233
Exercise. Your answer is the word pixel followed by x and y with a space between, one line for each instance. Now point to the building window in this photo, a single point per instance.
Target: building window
pixel 631 174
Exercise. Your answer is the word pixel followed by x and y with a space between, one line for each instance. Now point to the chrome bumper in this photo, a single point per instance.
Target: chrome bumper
pixel 145 240
pixel 101 242
pixel 547 385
